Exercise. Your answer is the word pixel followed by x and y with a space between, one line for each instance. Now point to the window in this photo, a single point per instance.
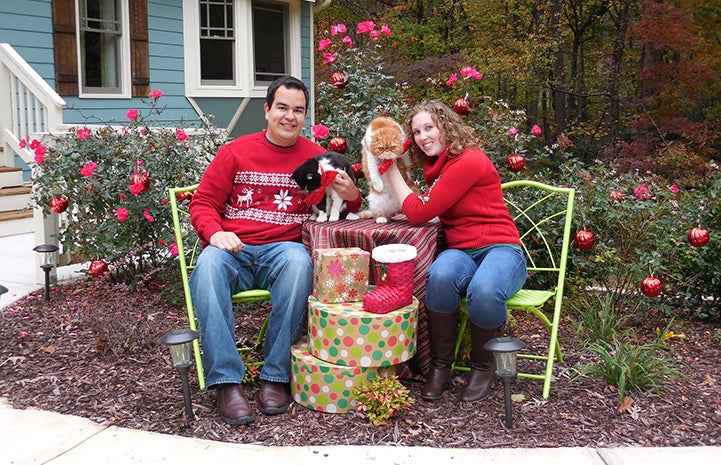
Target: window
pixel 235 48
pixel 100 44
pixel 93 43
pixel 269 46
pixel 217 42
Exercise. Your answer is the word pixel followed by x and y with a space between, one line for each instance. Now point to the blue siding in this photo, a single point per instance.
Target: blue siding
pixel 27 26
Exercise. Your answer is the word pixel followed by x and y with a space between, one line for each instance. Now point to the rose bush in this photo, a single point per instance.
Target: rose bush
pixel 111 185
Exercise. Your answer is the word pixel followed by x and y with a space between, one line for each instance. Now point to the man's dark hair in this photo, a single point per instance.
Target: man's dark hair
pixel 288 82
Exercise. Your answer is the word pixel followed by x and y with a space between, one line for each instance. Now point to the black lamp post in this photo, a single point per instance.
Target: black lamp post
pixel 505 351
pixel 180 343
pixel 47 262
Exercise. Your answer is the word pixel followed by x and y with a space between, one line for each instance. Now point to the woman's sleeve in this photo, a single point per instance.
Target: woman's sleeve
pixel 448 189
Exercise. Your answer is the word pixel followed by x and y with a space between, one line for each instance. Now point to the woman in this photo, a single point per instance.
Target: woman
pixel 483 262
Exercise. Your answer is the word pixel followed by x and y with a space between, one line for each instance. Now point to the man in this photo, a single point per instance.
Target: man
pixel 248 211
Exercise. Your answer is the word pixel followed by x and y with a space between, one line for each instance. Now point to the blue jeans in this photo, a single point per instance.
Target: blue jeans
pixel 487 279
pixel 284 268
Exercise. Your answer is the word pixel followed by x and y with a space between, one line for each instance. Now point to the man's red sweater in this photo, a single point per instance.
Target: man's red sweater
pixel 247 189
pixel 466 195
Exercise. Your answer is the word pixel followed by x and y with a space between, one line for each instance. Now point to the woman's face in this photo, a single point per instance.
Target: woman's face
pixel 427 135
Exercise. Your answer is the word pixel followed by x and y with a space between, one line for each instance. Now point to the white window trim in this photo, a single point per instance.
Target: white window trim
pixel 125 62
pixel 243 20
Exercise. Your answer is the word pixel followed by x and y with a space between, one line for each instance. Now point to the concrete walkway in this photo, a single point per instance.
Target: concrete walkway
pixel 39 437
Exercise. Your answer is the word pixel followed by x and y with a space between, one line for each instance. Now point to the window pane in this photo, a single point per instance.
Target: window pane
pixel 217 42
pixel 270 30
pixel 100 45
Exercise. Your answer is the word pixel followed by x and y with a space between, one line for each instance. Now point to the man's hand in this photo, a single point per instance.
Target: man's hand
pixel 227 241
pixel 345 187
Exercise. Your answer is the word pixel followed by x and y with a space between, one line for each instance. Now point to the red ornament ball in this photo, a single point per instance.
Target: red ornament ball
pixel 337 144
pixel 698 237
pixel 651 286
pixel 339 80
pixel 98 268
pixel 515 162
pixel 183 196
pixel 141 178
pixel 357 168
pixel 59 204
pixel 462 106
pixel 584 239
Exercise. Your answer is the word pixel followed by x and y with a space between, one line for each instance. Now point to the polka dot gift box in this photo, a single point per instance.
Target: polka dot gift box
pixel 340 274
pixel 326 387
pixel 347 335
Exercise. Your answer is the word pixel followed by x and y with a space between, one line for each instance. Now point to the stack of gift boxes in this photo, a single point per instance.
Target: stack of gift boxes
pixel 347 345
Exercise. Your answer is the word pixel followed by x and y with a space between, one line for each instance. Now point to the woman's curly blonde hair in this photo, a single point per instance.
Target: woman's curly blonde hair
pixel 458 135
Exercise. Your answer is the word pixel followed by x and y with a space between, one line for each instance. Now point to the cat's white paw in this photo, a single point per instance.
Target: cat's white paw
pixel 352 216
pixel 333 217
pixel 322 217
pixel 381 220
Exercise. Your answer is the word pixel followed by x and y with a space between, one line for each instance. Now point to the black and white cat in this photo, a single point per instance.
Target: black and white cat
pixel 315 176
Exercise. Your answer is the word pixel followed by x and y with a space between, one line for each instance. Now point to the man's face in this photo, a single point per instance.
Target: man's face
pixel 286 116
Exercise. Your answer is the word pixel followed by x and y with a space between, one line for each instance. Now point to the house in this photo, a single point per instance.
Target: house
pixel 69 62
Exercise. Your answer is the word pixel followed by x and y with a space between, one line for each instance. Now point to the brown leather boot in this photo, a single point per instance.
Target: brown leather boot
pixel 443 331
pixel 482 373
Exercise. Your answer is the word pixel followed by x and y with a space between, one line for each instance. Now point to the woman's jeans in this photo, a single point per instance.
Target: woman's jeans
pixel 487 279
pixel 285 268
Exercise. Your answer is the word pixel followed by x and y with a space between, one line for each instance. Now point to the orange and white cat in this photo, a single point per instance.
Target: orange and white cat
pixel 383 144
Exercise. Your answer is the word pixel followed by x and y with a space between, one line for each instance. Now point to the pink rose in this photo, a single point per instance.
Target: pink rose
pixel 452 79
pixel 173 248
pixel 132 114
pixel 536 130
pixel 365 26
pixel 88 169
pixel 319 131
pixel 148 216
pixel 323 44
pixel 34 144
pixel 328 58
pixel 348 41
pixel 513 131
pixel 338 29
pixel 122 214
pixel 40 154
pixel 156 94
pixel 374 34
pixel 136 188
pixel 83 133
pixel 386 30
pixel 182 136
pixel 23 144
pixel 642 192
pixel 674 189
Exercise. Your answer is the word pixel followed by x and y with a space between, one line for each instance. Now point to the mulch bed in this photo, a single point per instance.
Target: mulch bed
pixel 58 356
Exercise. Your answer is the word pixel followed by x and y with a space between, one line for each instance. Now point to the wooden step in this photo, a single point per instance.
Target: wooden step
pixel 10 176
pixel 16 222
pixel 16 215
pixel 15 198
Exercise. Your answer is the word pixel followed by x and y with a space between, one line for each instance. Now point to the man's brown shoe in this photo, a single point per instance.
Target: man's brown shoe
pixel 233 406
pixel 272 398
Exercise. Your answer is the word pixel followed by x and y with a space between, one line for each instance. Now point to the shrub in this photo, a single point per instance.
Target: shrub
pixel 112 182
pixel 382 398
pixel 631 368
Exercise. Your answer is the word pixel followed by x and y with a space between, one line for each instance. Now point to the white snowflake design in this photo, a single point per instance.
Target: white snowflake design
pixel 283 200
